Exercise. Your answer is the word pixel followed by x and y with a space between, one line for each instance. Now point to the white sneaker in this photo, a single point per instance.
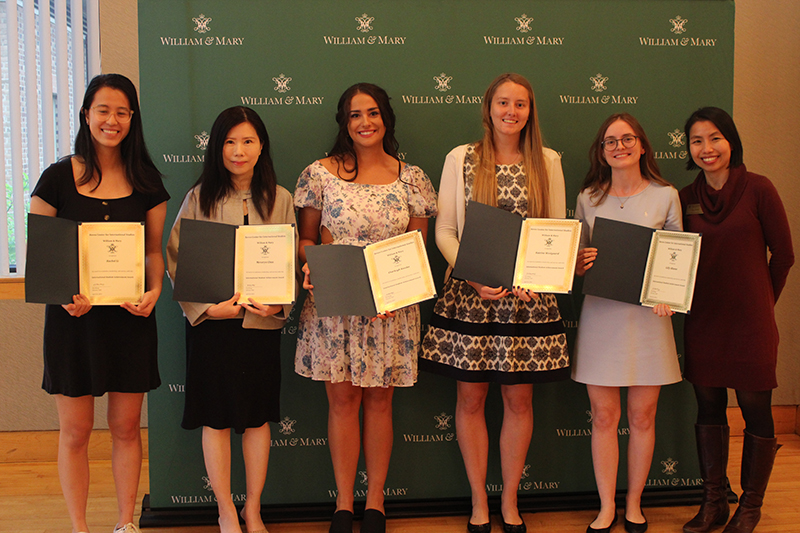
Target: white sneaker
pixel 127 528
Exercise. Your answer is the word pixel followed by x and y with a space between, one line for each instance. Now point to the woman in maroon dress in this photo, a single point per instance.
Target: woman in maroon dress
pixel 731 339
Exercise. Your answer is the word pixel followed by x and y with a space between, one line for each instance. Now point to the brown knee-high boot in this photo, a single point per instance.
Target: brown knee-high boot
pixel 712 450
pixel 758 456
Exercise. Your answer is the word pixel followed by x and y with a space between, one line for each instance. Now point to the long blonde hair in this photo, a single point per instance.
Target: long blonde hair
pixel 530 146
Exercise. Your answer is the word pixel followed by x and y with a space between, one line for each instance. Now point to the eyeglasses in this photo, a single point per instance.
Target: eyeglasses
pixel 122 115
pixel 628 141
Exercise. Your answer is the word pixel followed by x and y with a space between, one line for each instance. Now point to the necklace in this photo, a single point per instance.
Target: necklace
pixel 623 199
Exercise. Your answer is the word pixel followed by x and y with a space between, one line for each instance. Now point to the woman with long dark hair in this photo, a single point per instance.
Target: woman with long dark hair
pixel 621 344
pixel 90 351
pixel 360 194
pixel 479 334
pixel 233 370
pixel 730 338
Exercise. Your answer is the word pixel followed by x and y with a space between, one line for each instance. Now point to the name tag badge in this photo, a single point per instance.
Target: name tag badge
pixel 694 209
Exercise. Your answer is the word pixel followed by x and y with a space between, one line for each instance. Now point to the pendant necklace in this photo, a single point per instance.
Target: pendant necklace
pixel 623 200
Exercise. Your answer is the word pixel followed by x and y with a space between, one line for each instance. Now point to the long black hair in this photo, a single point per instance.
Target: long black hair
pixel 724 123
pixel 140 170
pixel 343 151
pixel 215 181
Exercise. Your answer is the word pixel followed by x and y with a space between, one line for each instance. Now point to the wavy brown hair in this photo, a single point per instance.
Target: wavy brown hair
pixel 343 150
pixel 598 179
pixel 530 146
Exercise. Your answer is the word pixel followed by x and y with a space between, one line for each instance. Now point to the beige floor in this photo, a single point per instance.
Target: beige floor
pixel 31 502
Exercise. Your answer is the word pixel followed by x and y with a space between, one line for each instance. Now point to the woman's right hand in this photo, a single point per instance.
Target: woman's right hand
pixel 489 293
pixel 585 260
pixel 226 309
pixel 307 279
pixel 80 305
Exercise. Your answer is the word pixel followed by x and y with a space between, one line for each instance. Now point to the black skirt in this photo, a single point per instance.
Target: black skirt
pixel 106 350
pixel 233 376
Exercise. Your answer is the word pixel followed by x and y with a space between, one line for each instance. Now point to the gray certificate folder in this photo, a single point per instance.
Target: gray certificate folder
pixel 340 280
pixel 51 266
pixel 205 262
pixel 487 252
pixel 618 271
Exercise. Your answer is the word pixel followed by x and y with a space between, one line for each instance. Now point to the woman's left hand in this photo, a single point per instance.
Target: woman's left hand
pixel 663 310
pixel 145 305
pixel 261 309
pixel 526 295
pixel 383 316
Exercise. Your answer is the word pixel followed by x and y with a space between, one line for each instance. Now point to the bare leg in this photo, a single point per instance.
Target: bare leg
pixel 473 440
pixel 217 456
pixel 255 448
pixel 124 422
pixel 344 403
pixel 605 449
pixel 515 439
pixel 377 437
pixel 75 421
pixel 642 405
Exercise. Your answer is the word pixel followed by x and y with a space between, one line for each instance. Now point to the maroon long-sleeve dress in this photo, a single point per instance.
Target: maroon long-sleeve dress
pixel 730 337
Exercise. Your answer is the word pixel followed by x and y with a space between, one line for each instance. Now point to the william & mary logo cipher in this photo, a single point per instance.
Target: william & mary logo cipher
pixel 201 141
pixel 442 85
pixel 679 27
pixel 202 26
pixel 523 26
pixel 670 468
pixel 443 424
pixel 598 86
pixel 363 25
pixel 525 485
pixel 677 138
pixel 281 98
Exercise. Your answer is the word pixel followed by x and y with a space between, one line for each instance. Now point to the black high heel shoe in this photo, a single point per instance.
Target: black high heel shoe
pixel 514 528
pixel 479 528
pixel 342 522
pixel 590 529
pixel 633 527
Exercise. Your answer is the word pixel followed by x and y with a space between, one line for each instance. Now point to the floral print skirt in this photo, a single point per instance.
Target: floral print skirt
pixel 382 353
pixel 505 341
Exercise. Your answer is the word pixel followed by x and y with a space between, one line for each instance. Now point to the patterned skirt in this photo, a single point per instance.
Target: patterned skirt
pixel 504 341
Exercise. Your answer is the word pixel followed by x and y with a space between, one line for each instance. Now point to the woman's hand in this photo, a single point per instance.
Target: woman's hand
pixel 80 305
pixel 226 309
pixel 489 293
pixel 585 260
pixel 307 279
pixel 663 310
pixel 261 309
pixel 526 295
pixel 383 316
pixel 145 305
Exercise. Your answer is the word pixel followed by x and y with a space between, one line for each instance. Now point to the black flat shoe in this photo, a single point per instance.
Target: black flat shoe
pixel 374 522
pixel 342 522
pixel 479 528
pixel 590 529
pixel 514 528
pixel 633 527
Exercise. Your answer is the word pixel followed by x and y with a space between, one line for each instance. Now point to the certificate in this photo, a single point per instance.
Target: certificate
pixel 671 268
pixel 639 265
pixel 501 249
pixel 399 272
pixel 384 276
pixel 216 260
pixel 548 249
pixel 264 264
pixel 111 261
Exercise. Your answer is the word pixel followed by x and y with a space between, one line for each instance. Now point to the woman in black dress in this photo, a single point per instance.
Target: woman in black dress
pixel 233 368
pixel 90 351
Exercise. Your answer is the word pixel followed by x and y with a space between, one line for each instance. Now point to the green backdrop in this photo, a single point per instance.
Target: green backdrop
pixel 290 61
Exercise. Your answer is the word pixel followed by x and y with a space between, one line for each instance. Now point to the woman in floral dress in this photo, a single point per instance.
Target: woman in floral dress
pixel 359 195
